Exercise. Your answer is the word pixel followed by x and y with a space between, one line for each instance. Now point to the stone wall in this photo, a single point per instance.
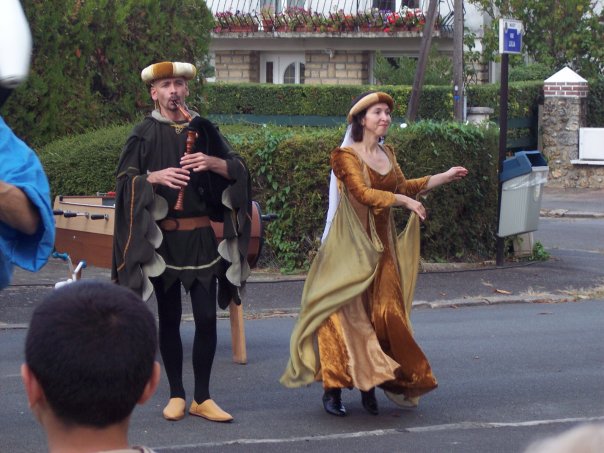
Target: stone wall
pixel 337 68
pixel 563 113
pixel 237 66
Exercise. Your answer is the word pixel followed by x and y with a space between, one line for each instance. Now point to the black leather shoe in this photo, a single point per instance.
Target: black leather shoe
pixel 332 402
pixel 369 402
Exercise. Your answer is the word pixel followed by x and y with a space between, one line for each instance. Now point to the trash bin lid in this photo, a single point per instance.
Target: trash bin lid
pixel 521 164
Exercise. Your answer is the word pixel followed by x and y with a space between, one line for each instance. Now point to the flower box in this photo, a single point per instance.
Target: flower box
pixel 245 28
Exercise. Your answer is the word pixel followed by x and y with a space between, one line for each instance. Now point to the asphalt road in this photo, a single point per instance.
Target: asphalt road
pixel 508 374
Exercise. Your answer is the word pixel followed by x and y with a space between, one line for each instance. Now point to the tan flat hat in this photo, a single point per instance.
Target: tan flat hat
pixel 167 69
pixel 366 100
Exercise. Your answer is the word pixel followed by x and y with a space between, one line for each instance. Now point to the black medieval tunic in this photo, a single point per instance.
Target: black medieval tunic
pixel 153 145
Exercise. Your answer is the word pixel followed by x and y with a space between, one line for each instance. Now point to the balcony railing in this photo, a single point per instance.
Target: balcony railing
pixel 320 16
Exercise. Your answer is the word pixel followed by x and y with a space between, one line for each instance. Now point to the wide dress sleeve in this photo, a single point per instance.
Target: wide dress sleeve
pixel 136 235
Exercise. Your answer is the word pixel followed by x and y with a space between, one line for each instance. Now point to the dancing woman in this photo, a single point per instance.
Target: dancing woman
pixel 354 328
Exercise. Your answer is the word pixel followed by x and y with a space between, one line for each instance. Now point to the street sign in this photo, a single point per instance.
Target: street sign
pixel 510 36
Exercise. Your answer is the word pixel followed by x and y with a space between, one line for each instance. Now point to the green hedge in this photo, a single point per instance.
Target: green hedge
pixel 436 102
pixel 322 100
pixel 523 98
pixel 290 176
pixel 84 164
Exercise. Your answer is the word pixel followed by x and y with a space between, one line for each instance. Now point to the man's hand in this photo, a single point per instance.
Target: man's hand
pixel 16 210
pixel 172 177
pixel 202 162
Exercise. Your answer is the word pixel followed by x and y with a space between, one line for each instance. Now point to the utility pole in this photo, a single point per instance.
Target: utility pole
pixel 458 82
pixel 418 81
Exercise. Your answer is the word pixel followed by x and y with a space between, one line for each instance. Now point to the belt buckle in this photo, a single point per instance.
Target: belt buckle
pixel 170 224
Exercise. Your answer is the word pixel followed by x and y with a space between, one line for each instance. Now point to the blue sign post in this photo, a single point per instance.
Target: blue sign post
pixel 510 36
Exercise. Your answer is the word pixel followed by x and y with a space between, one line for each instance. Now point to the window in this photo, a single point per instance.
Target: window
pixel 269 72
pixel 289 76
pixel 273 3
pixel 384 5
pixel 294 73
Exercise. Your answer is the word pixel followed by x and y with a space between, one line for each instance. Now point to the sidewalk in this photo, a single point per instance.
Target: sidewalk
pixel 578 203
pixel 567 276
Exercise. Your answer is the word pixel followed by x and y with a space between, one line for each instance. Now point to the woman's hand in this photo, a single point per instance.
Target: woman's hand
pixel 455 174
pixel 452 174
pixel 172 177
pixel 412 205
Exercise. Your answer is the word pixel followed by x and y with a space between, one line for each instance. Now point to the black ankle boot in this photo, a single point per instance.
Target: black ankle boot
pixel 369 402
pixel 332 402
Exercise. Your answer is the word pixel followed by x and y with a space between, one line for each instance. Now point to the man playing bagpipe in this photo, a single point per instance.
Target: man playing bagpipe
pixel 177 172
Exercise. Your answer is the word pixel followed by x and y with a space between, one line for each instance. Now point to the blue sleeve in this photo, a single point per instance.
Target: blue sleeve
pixel 20 167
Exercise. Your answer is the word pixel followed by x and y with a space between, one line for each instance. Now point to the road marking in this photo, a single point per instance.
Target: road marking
pixel 481 425
pixel 384 432
pixel 377 432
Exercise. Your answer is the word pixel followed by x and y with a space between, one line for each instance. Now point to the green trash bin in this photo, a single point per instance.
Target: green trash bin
pixel 523 178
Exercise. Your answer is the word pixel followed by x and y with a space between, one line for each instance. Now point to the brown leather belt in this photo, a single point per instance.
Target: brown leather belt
pixel 184 224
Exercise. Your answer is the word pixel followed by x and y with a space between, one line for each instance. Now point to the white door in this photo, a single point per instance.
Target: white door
pixel 281 68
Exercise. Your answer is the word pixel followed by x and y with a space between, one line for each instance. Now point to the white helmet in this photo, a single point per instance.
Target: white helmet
pixel 15 44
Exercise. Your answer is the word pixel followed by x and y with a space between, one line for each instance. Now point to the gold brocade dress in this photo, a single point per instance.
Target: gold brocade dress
pixel 346 353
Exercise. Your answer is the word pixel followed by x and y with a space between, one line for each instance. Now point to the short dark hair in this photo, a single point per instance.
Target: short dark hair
pixel 356 126
pixel 92 345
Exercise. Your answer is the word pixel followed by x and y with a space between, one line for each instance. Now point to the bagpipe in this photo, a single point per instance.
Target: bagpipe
pixel 203 137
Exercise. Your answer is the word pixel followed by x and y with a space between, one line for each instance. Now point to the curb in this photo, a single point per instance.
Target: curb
pixel 571 214
pixel 494 300
pixel 545 298
pixel 250 315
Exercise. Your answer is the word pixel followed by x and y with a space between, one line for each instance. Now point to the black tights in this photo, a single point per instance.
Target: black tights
pixel 169 308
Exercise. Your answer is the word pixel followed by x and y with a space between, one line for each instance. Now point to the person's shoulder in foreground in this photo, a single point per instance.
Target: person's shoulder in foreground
pixel 89 360
pixel 585 438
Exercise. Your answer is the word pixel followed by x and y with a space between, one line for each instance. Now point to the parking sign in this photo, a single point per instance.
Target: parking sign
pixel 510 36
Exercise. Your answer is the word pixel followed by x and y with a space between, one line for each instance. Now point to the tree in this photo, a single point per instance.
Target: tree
pixel 558 33
pixel 401 70
pixel 87 58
